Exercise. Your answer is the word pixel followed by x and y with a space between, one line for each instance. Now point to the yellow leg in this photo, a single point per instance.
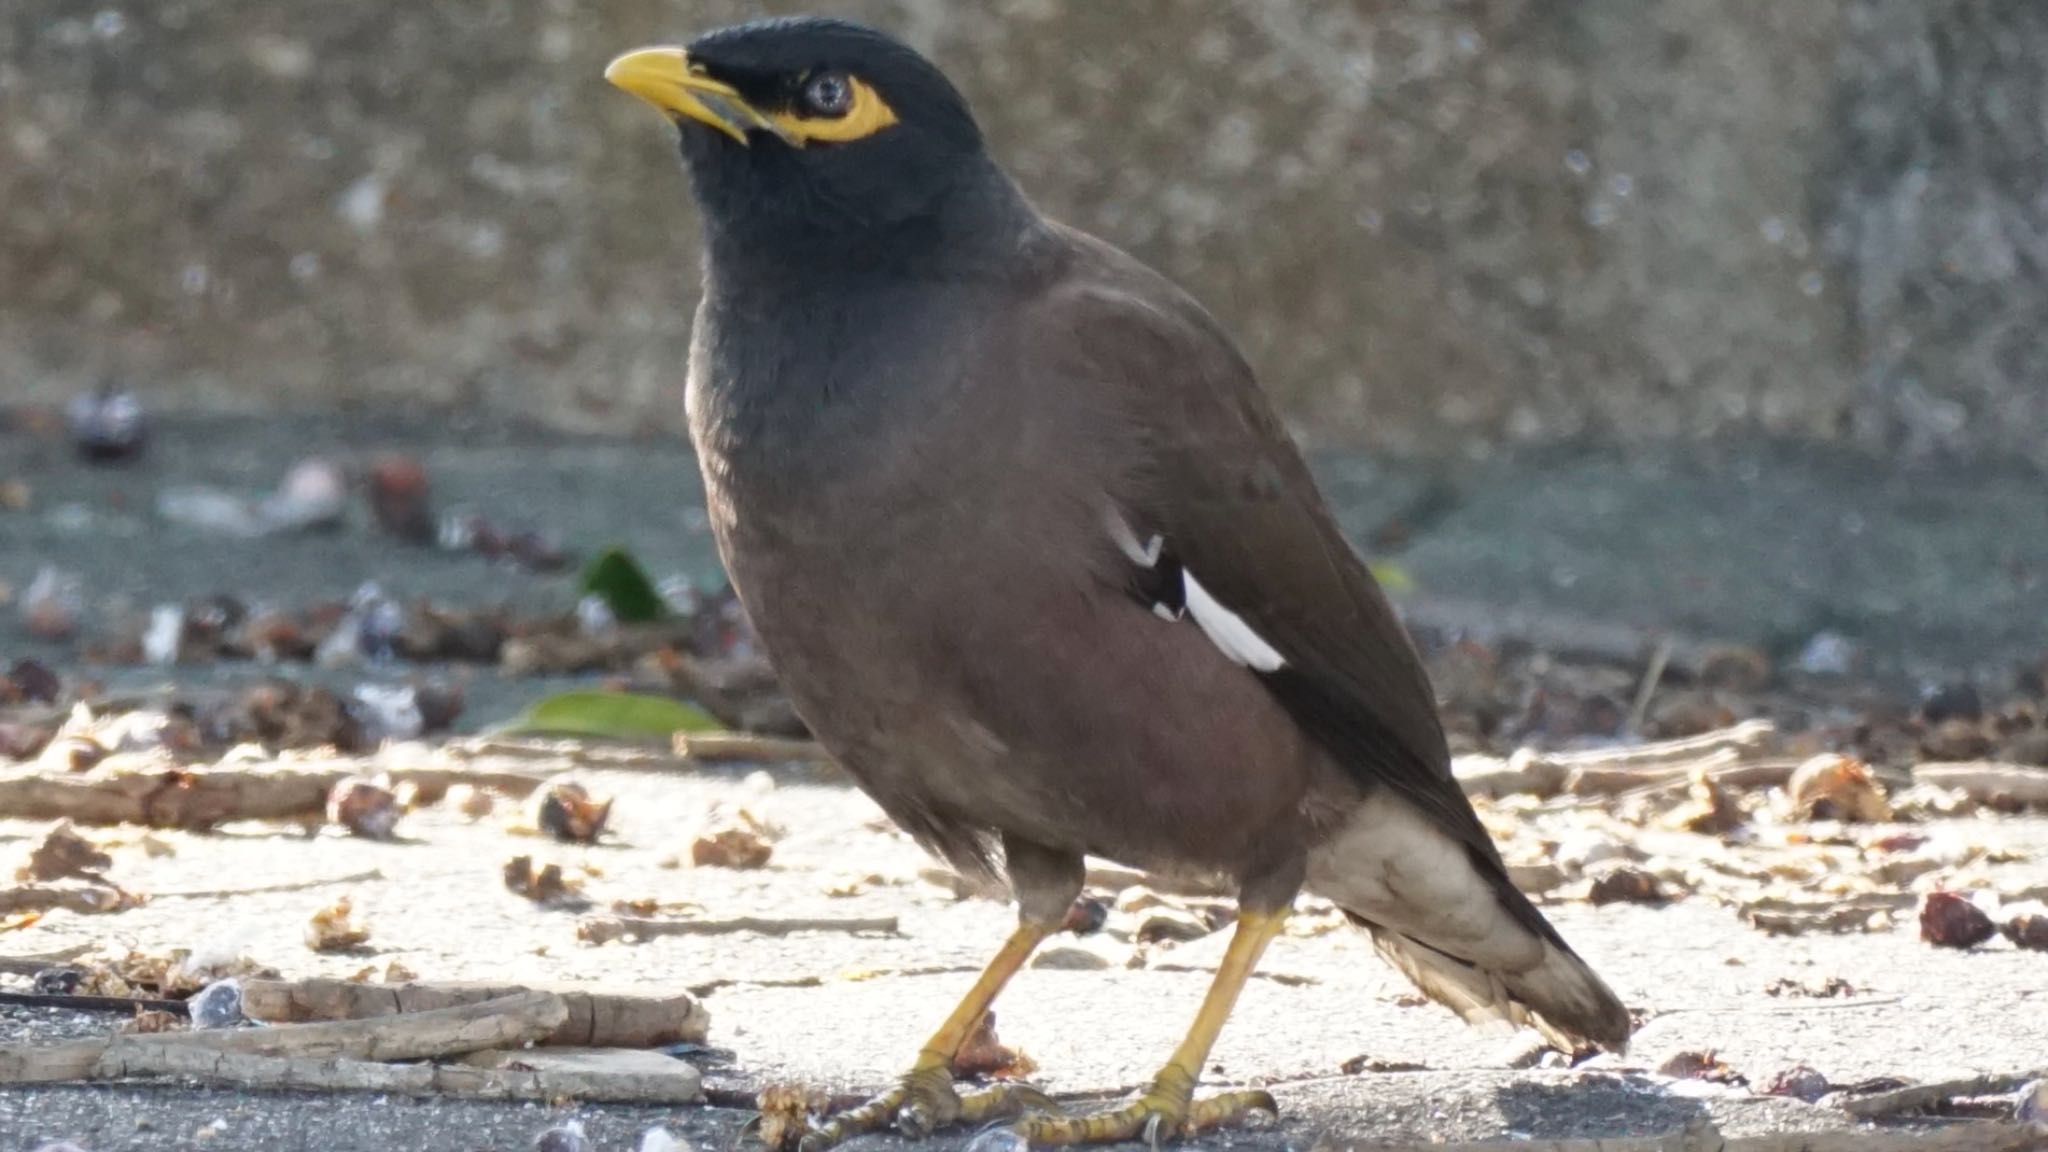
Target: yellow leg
pixel 1169 1108
pixel 925 1098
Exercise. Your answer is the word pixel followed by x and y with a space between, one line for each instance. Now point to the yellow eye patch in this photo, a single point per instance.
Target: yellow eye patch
pixel 867 115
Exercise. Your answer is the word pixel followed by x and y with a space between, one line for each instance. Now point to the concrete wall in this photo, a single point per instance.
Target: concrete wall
pixel 1434 224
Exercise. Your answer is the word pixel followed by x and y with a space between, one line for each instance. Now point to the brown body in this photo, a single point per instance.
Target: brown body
pixel 953 618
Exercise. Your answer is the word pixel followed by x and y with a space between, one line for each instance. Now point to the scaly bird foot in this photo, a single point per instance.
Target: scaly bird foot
pixel 1167 1111
pixel 921 1103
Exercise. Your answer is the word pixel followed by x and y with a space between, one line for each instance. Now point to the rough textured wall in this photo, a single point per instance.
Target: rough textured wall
pixel 1938 209
pixel 1431 222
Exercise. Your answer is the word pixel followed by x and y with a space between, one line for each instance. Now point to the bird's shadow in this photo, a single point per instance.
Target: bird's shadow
pixel 1594 1106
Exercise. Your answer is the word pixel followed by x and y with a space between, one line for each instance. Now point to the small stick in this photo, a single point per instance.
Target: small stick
pixel 265 889
pixel 681 1085
pixel 1917 1096
pixel 606 757
pixel 84 901
pixel 30 965
pixel 1746 735
pixel 508 1021
pixel 601 929
pixel 1607 780
pixel 93 1003
pixel 1988 780
pixel 597 1018
pixel 748 748
pixel 1640 710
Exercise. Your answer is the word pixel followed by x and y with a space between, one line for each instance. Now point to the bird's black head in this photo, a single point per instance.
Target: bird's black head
pixel 800 133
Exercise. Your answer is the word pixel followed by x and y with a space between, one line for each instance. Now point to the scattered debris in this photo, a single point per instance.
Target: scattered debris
pixel 401 498
pixel 1836 787
pixel 1373 1065
pixel 2026 925
pixel 1799 1082
pixel 1086 916
pixel 367 808
pixel 1707 1066
pixel 335 929
pixel 543 885
pixel 152 1021
pixel 65 855
pixel 984 1057
pixel 107 424
pixel 1832 987
pixel 735 840
pixel 564 1137
pixel 218 1005
pixel 1708 808
pixel 1893 1100
pixel 786 1112
pixel 1626 885
pixel 1953 920
pixel 565 809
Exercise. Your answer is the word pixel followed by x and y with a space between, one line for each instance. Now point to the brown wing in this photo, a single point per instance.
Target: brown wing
pixel 1216 477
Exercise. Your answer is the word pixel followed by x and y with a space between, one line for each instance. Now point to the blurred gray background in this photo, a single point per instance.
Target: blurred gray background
pixel 1436 226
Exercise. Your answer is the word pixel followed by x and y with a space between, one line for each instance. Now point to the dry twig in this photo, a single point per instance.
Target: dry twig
pixel 515 1076
pixel 1914 1097
pixel 602 929
pixel 1988 781
pixel 266 889
pixel 594 1020
pixel 748 748
pixel 508 1021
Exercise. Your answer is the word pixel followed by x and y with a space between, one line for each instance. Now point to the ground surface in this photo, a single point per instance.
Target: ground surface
pixel 1936 569
pixel 846 1012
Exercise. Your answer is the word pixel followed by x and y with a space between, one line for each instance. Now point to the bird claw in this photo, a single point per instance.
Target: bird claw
pixel 921 1103
pixel 1165 1112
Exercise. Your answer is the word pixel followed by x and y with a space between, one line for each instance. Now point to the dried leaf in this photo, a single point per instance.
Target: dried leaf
pixel 984 1056
pixel 564 809
pixel 1705 1066
pixel 1837 787
pixel 786 1111
pixel 335 929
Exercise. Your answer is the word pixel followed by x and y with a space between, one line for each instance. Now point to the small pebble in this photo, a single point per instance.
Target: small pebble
pixel 661 1140
pixel 218 1005
pixel 1952 920
pixel 565 1137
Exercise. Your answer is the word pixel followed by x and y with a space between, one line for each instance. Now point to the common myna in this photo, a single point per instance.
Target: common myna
pixel 1040 567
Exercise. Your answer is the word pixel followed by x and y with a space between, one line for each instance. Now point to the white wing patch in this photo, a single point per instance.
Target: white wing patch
pixel 1228 631
pixel 1224 628
pixel 1144 555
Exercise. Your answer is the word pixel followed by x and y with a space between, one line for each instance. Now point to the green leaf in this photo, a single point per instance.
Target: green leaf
pixel 1392 577
pixel 611 715
pixel 615 576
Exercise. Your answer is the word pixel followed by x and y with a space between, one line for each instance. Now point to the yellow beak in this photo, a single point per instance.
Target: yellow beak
pixel 665 78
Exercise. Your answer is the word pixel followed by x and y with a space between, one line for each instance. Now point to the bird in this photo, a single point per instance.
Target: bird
pixel 1039 565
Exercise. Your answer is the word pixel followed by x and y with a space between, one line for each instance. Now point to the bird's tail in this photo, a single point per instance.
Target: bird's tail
pixel 1559 996
pixel 1441 908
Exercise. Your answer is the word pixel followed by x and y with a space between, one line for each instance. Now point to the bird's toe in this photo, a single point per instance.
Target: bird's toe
pixel 923 1102
pixel 1167 1111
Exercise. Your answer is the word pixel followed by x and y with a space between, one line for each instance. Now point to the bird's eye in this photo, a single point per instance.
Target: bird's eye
pixel 828 94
